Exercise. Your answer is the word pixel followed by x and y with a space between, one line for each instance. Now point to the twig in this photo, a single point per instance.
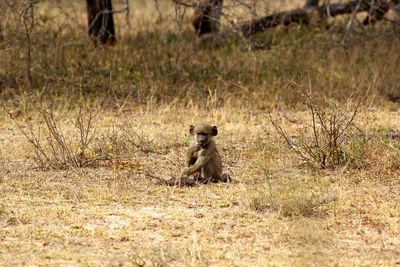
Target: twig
pixel 123 125
pixel 353 15
pixel 154 138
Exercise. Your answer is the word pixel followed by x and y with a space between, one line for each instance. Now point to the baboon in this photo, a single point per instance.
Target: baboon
pixel 202 159
pixel 206 16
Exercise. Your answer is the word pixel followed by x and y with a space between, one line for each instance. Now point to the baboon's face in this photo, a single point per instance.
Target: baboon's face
pixel 203 133
pixel 202 139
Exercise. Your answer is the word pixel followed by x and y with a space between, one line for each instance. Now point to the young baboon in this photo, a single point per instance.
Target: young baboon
pixel 202 159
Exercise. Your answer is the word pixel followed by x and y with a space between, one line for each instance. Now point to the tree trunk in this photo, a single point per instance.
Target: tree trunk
pixel 100 21
pixel 206 17
pixel 315 14
pixel 310 3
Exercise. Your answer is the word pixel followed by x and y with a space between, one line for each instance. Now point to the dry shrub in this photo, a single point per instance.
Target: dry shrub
pixel 333 138
pixel 60 143
pixel 322 143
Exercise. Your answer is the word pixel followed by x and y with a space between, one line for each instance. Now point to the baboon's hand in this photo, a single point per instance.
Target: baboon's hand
pixel 198 147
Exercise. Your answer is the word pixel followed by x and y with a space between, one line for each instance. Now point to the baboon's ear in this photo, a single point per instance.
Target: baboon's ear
pixel 214 131
pixel 191 129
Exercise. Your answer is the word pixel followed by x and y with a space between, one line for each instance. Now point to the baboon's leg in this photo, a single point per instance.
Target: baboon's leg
pixel 225 178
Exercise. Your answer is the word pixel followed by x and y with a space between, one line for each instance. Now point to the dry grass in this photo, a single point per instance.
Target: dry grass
pixel 279 212
pixel 113 214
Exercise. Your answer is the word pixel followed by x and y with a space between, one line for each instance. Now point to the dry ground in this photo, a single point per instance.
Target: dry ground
pixel 278 211
pixel 113 214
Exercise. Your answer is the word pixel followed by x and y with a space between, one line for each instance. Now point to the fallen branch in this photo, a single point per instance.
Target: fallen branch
pixel 314 14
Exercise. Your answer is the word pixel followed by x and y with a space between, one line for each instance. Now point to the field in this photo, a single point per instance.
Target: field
pixel 86 131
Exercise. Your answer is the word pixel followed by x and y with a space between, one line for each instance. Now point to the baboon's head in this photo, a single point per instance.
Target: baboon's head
pixel 203 133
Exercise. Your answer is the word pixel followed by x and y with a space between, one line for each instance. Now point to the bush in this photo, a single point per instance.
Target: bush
pixel 332 126
pixel 55 148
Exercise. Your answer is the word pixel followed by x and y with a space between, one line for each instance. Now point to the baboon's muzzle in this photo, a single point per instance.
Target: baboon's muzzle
pixel 202 141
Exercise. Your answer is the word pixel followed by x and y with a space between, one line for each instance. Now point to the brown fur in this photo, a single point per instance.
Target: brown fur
pixel 202 159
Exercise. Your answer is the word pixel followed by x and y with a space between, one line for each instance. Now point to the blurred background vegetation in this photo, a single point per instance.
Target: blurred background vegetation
pixel 156 55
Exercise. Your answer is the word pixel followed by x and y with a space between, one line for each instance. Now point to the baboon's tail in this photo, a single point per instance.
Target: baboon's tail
pixel 181 182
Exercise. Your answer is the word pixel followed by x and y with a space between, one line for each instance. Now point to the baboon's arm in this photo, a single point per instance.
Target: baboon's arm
pixel 200 163
pixel 190 155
